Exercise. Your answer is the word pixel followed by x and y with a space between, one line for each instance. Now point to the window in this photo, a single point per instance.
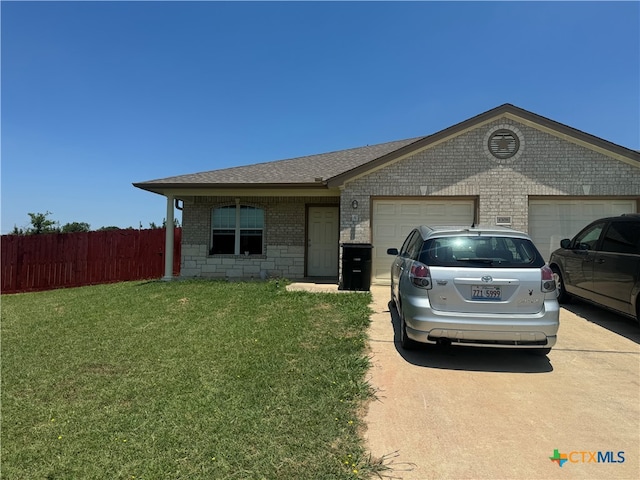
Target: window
pixel 409 244
pixel 622 237
pixel 588 238
pixel 414 246
pixel 494 252
pixel 237 230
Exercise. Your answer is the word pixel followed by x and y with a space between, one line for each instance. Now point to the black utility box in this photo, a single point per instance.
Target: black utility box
pixel 356 266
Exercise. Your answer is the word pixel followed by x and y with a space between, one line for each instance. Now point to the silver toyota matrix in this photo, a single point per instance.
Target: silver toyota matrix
pixel 474 286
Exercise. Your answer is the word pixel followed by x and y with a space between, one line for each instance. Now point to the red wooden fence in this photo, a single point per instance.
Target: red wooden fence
pixel 44 262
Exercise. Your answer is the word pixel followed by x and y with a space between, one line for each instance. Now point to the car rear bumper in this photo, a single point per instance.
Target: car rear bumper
pixel 504 331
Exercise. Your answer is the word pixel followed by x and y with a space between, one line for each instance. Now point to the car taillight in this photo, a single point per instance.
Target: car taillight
pixel 420 275
pixel 548 282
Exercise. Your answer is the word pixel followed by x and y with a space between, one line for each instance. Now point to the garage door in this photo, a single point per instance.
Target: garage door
pixel 392 220
pixel 552 220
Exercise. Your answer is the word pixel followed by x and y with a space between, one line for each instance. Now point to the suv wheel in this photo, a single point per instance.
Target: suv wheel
pixel 563 296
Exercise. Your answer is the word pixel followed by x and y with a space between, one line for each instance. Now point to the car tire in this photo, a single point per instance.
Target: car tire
pixel 405 342
pixel 561 292
pixel 542 352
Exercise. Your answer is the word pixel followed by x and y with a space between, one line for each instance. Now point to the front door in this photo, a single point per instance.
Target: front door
pixel 323 234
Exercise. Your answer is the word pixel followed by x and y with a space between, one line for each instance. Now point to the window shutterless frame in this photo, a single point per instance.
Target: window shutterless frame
pixel 237 230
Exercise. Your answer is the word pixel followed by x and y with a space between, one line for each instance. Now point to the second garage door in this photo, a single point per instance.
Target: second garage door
pixel 393 219
pixel 551 220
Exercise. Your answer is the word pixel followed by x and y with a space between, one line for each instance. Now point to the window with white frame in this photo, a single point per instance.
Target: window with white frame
pixel 237 230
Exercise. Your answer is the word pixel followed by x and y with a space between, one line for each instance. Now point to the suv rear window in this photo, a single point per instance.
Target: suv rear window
pixel 480 250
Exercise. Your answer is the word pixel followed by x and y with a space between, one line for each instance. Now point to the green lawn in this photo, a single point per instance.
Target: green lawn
pixel 184 380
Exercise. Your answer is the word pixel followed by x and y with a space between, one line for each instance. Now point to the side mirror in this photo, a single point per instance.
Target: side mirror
pixel 565 243
pixel 392 251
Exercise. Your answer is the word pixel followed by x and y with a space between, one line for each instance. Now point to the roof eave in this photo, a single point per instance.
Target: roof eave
pixel 162 187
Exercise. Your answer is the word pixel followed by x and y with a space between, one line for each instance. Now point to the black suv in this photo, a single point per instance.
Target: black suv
pixel 601 264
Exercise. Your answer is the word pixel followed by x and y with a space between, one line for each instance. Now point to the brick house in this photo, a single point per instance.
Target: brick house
pixel 506 166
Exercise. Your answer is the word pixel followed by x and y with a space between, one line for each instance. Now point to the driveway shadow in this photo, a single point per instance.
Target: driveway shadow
pixel 623 326
pixel 469 358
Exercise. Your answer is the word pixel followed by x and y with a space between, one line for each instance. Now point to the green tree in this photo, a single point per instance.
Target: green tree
pixel 176 222
pixel 41 224
pixel 76 227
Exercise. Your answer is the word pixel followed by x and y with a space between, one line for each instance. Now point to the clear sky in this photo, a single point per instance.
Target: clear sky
pixel 97 95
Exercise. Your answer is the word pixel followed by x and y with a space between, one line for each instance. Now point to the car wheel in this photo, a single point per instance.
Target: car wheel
pixel 540 351
pixel 563 296
pixel 405 342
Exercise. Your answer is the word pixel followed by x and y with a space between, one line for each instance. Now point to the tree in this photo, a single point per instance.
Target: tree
pixel 76 227
pixel 41 224
pixel 176 223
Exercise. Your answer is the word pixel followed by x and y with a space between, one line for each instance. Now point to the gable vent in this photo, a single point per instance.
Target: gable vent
pixel 503 143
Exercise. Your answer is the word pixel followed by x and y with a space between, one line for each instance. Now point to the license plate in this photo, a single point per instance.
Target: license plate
pixel 485 292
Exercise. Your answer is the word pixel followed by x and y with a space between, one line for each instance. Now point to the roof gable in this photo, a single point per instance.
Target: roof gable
pixel 507 110
pixel 333 169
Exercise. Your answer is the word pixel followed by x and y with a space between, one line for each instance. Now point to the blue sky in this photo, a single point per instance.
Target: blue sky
pixel 98 95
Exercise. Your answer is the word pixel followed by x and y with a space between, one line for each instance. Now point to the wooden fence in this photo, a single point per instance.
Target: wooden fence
pixel 43 262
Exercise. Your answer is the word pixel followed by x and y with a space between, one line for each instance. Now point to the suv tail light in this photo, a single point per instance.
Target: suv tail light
pixel 548 282
pixel 420 275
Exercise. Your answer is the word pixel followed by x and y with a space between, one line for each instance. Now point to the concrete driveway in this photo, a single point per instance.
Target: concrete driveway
pixel 500 414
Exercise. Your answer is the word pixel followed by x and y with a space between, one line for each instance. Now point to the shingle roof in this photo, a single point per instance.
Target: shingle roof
pixel 294 171
pixel 332 169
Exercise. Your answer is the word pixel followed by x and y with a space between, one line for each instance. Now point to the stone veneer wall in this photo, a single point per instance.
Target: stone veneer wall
pixel 545 166
pixel 284 238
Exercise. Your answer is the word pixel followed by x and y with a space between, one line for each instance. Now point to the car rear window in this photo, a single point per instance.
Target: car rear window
pixel 480 250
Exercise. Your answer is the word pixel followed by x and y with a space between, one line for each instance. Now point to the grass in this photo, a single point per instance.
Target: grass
pixel 184 380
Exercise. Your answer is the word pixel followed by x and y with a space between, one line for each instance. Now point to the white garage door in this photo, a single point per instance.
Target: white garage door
pixel 392 220
pixel 552 220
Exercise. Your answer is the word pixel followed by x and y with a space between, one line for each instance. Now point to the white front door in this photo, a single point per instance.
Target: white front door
pixel 323 242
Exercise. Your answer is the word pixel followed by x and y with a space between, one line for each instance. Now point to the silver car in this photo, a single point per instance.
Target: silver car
pixel 474 286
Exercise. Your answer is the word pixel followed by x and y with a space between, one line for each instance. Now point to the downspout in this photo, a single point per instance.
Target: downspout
pixel 168 241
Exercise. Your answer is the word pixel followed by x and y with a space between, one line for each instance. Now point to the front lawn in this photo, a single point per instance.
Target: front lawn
pixel 184 380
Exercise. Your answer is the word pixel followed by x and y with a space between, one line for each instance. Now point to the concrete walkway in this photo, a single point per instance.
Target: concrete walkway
pixel 318 287
pixel 313 287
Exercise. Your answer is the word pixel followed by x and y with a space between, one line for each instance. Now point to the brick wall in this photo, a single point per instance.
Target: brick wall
pixel 545 165
pixel 462 166
pixel 284 238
